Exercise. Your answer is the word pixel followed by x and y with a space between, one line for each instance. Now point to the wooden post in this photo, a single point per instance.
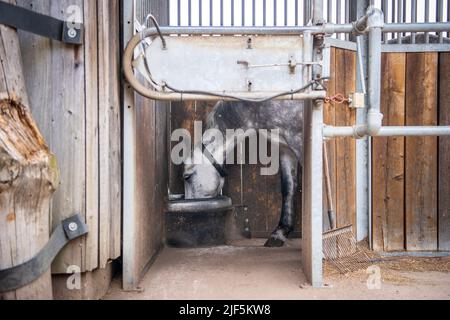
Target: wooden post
pixel 28 173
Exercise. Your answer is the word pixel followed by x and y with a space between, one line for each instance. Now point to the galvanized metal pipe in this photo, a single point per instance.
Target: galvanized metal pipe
pixel 253 13
pixel 374 21
pixel 417 27
pixel 329 28
pixel 232 13
pixel 338 16
pixel 413 19
pixel 264 13
pixel 393 16
pixel 330 11
pixel 307 11
pixel 427 19
pixel 414 131
pixel 179 12
pixel 318 12
pixel 374 115
pixel 243 12
pixel 200 13
pixel 285 13
pixel 448 16
pixel 275 13
pixel 211 9
pixel 440 17
pixel 399 19
pixel 221 13
pixel 312 256
pixel 334 132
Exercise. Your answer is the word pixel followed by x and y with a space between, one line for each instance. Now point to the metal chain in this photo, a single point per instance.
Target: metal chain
pixel 338 99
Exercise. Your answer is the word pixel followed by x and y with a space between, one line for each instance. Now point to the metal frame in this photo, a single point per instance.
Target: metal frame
pixel 129 161
pixel 315 130
pixel 70 32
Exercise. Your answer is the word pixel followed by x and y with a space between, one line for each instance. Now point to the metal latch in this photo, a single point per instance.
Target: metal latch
pixel 24 274
pixel 357 100
pixel 43 25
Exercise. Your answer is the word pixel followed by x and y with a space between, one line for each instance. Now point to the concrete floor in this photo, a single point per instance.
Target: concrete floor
pixel 250 271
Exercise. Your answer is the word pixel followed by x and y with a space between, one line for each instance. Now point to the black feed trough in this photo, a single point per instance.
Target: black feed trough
pixel 197 223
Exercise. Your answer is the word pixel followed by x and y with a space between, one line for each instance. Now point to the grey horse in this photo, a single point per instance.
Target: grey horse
pixel 206 180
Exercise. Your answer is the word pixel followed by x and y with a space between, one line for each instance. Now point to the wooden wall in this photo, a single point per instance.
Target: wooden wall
pixel 151 185
pixel 411 175
pixel 74 95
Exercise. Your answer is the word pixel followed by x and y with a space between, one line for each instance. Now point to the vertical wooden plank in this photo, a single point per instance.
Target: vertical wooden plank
pixel 444 153
pixel 68 130
pixel 389 160
pixel 345 148
pixel 92 135
pixel 104 134
pixel 28 173
pixel 421 153
pixel 38 76
pixel 145 185
pixel 330 119
pixel 115 156
pixel 255 198
pixel 109 132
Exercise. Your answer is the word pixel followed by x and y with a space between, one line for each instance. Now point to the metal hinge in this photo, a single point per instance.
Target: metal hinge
pixel 43 25
pixel 243 220
pixel 24 274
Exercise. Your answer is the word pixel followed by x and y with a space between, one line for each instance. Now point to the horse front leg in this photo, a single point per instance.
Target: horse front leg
pixel 289 183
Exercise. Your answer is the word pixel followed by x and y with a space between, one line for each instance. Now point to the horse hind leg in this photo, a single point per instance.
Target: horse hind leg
pixel 289 182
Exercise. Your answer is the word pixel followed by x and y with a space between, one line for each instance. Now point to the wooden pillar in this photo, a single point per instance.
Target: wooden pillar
pixel 28 173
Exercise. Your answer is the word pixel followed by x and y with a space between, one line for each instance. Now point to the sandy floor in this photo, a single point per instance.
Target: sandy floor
pixel 254 272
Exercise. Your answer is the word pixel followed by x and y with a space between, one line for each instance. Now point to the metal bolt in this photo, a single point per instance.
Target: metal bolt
pixel 73 226
pixel 72 33
pixel 249 43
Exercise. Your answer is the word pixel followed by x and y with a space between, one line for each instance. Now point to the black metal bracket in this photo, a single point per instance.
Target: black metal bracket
pixel 46 26
pixel 24 274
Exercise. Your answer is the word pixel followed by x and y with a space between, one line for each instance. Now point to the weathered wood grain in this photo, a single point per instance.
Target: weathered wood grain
pixel 28 173
pixel 147 219
pixel 92 135
pixel 421 153
pixel 109 132
pixel 345 148
pixel 65 86
pixel 330 119
pixel 389 160
pixel 444 153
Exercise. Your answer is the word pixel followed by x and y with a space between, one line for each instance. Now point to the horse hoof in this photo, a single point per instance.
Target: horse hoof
pixel 274 243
